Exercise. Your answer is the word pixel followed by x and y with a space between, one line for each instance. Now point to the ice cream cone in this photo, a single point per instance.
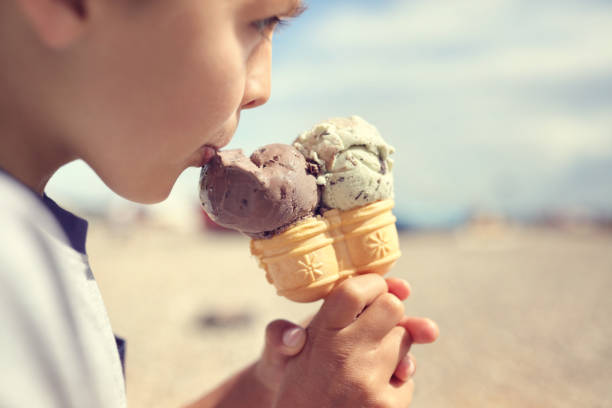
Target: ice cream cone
pixel 365 238
pixel 305 262
pixel 300 262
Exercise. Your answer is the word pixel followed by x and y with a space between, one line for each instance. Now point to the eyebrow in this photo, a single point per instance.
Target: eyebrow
pixel 297 8
pixel 282 8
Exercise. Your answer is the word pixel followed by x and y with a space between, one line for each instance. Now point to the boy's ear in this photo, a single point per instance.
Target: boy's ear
pixel 58 23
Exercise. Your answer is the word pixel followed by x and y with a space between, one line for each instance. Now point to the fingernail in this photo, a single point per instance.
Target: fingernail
pixel 411 368
pixel 291 337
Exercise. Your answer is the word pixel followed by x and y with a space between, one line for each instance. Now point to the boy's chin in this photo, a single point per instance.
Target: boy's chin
pixel 148 198
pixel 144 193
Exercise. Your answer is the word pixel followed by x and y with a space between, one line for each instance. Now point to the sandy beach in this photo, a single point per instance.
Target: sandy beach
pixel 525 315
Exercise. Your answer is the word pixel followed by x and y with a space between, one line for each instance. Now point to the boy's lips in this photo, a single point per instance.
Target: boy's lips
pixel 207 153
pixel 203 156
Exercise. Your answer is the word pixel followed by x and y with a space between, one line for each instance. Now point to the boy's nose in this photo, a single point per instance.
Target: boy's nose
pixel 257 86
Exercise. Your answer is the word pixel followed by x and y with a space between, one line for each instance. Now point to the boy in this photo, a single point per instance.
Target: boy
pixel 141 90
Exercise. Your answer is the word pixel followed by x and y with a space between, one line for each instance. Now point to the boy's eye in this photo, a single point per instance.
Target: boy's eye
pixel 267 26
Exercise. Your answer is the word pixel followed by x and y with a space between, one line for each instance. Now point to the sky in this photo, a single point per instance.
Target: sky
pixel 500 106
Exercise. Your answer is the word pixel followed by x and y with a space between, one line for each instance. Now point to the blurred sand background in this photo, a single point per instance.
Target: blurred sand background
pixel 525 314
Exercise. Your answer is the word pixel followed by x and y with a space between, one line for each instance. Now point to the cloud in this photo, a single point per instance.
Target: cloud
pixel 487 101
pixel 438 42
pixel 474 94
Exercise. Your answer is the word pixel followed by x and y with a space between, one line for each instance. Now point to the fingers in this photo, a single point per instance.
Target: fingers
pixel 386 311
pixel 405 369
pixel 380 317
pixel 421 330
pixel 394 347
pixel 402 393
pixel 398 287
pixel 347 301
pixel 283 340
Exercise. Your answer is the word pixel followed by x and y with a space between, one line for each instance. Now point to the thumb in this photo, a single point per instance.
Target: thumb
pixel 283 340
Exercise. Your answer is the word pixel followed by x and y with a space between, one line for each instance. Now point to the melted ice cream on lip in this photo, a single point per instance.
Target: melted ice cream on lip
pixel 258 195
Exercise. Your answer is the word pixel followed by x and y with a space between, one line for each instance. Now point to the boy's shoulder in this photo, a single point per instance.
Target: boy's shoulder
pixel 33 273
pixel 28 258
pixel 53 326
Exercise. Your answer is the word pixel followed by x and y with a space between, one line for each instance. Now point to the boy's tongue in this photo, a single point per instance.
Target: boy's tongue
pixel 261 195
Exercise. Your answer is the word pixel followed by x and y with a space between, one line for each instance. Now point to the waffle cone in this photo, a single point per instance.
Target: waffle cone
pixel 300 262
pixel 365 238
pixel 306 261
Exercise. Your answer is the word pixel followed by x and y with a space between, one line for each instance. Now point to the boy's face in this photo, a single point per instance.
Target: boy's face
pixel 155 81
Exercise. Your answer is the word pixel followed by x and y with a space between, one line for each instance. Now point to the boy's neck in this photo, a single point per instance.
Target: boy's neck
pixel 31 160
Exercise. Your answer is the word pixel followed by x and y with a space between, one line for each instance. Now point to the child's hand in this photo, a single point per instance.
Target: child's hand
pixel 356 354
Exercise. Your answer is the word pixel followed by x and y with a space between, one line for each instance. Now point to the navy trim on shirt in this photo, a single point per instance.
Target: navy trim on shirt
pixel 121 347
pixel 74 227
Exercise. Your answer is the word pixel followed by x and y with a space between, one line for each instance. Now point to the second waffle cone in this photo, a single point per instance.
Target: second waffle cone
pixel 308 260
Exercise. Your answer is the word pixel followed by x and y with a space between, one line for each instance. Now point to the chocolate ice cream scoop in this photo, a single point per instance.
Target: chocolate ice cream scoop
pixel 259 195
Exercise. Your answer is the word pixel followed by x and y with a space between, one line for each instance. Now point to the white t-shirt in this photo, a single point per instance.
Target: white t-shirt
pixel 57 348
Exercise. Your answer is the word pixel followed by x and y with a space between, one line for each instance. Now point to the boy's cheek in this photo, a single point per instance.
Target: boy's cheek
pixel 154 93
pixel 135 179
pixel 152 85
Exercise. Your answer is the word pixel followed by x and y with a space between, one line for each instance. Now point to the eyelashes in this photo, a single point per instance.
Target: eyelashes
pixel 269 25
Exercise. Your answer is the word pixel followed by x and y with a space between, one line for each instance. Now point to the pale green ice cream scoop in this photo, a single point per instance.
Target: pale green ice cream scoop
pixel 353 159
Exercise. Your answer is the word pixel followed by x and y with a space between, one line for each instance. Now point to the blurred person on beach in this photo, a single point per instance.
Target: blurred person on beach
pixel 142 90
